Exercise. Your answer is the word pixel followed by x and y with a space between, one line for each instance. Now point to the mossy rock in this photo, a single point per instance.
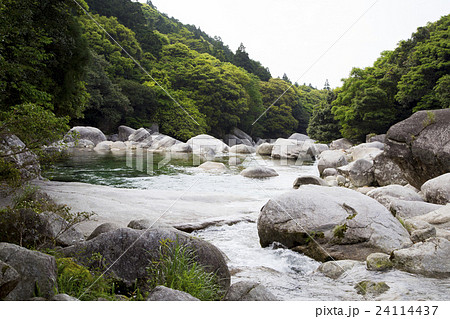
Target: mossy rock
pixel 368 287
pixel 67 267
pixel 379 262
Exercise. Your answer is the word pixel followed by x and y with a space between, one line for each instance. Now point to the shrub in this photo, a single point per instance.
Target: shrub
pixel 177 269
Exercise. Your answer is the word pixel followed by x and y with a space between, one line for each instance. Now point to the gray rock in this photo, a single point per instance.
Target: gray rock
pixel 423 234
pixel 213 166
pixel 129 252
pixel 104 146
pixel 440 218
pixel 240 137
pixel 376 138
pixel 429 258
pixel 420 145
pixel 37 272
pixel 161 293
pixel 378 262
pixel 371 288
pixel 347 224
pixel 331 159
pixel 85 133
pixel 163 142
pixel 366 150
pixel 386 171
pixel 291 149
pixel 359 172
pixel 103 228
pixel 234 161
pixel 316 149
pixel 242 149
pixel 259 172
pixel 204 144
pixel 63 297
pixel 125 132
pixel 118 145
pixel 299 137
pixel 341 144
pixel 249 291
pixel 437 190
pixel 12 150
pixel 329 172
pixel 309 180
pixel 140 136
pixel 180 148
pixel 9 278
pixel 407 209
pixel 144 224
pixel 387 194
pixel 334 269
pixel 81 144
pixel 264 149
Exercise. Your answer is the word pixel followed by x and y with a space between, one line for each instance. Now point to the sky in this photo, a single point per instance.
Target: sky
pixel 309 40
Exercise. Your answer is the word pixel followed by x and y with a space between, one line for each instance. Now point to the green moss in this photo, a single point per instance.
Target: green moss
pixel 339 231
pixel 314 235
pixel 405 225
pixel 372 288
pixel 431 119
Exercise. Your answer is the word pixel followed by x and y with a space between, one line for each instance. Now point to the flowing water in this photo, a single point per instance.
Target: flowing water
pixel 288 275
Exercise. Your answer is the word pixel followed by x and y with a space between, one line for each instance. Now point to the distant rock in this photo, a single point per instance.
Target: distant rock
pixel 144 224
pixel 125 132
pixel 163 143
pixel 161 293
pixel 85 133
pixel 308 180
pixel 35 270
pixel 376 138
pixel 331 159
pixel 341 144
pixel 104 146
pixel 299 137
pixel 259 172
pixel 242 149
pixel 140 136
pixel 420 145
pixel 437 190
pixel 264 149
pixel 180 148
pixel 291 149
pixel 249 291
pixel 237 137
pixel 359 172
pixel 213 166
pixel 118 146
pixel 205 144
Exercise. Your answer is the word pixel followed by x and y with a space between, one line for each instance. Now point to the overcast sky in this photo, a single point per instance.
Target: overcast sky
pixel 309 40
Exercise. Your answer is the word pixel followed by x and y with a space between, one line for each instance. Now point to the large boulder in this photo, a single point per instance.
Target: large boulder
pixel 429 258
pixel 237 137
pixel 37 272
pixel 376 138
pixel 103 228
pixel 125 132
pixel 259 172
pixel 128 252
pixel 161 293
pixel 359 172
pixel 437 190
pixel 347 224
pixel 366 150
pixel 85 133
pixel 291 149
pixel 420 145
pixel 213 166
pixel 407 209
pixel 331 159
pixel 439 219
pixel 264 149
pixel 387 194
pixel 141 135
pixel 163 142
pixel 242 149
pixel 180 148
pixel 13 150
pixel 9 278
pixel 299 137
pixel 341 144
pixel 386 171
pixel 104 146
pixel 249 291
pixel 206 144
pixel 308 180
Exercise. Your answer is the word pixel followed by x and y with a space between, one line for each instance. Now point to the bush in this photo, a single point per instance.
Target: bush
pixel 177 269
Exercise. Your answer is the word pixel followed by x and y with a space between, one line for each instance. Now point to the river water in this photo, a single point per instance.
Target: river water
pixel 212 195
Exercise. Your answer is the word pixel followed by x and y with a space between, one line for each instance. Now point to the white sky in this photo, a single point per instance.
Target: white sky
pixel 289 36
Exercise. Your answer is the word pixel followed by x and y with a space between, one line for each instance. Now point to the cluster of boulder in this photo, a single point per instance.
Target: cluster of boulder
pixel 385 202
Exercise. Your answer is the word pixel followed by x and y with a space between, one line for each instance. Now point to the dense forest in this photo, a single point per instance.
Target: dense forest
pixel 60 66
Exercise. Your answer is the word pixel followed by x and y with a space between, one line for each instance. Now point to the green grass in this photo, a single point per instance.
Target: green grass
pixel 177 269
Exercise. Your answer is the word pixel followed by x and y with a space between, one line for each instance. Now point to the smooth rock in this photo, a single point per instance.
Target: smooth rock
pixel 118 145
pixel 331 159
pixel 329 172
pixel 259 172
pixel 366 151
pixel 359 172
pixel 264 149
pixel 9 278
pixel 423 234
pixel 378 262
pixel 63 297
pixel 242 149
pixel 204 144
pixel 34 268
pixel 407 209
pixel 316 149
pixel 437 190
pixel 234 161
pixel 161 293
pixel 89 133
pixel 341 144
pixel 334 269
pixel 144 224
pixel 166 143
pixel 104 146
pixel 213 166
pixel 309 180
pixel 387 194
pixel 140 136
pixel 133 250
pixel 299 137
pixel 420 145
pixel 125 132
pixel 376 138
pixel 249 291
pixel 386 171
pixel 180 148
pixel 347 224
pixel 103 228
pixel 291 149
pixel 428 258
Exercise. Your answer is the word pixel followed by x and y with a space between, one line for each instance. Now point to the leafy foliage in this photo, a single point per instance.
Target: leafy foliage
pixel 177 269
pixel 322 125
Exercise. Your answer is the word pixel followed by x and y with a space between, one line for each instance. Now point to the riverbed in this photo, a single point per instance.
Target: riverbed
pixel 121 187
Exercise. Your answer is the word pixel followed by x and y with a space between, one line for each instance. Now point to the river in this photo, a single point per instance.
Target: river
pixel 120 187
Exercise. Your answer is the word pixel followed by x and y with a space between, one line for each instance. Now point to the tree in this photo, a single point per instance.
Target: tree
pixel 322 126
